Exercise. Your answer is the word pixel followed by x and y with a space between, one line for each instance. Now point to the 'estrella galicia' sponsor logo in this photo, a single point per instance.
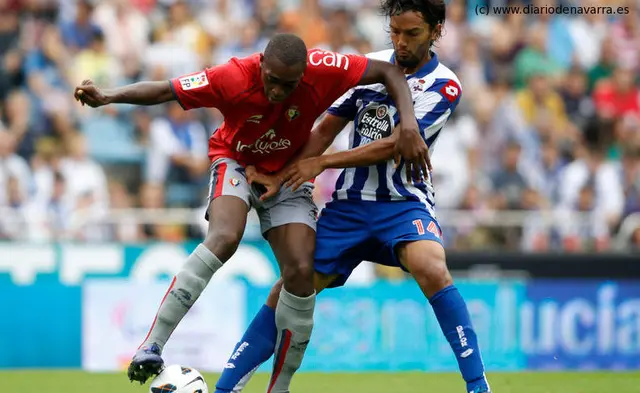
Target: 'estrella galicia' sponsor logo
pixel 375 122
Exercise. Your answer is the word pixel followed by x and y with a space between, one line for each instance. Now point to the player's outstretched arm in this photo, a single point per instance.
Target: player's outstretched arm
pixel 410 144
pixel 141 93
pixel 369 154
pixel 322 136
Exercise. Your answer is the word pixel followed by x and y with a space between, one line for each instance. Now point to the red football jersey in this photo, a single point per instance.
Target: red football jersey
pixel 255 131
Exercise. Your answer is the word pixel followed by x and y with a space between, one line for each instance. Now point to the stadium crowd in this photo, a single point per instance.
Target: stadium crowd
pixel 548 127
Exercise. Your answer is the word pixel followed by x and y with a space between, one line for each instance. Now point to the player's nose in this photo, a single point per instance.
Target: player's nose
pixel 277 93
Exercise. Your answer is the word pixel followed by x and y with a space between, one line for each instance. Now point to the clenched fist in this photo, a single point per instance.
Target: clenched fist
pixel 89 94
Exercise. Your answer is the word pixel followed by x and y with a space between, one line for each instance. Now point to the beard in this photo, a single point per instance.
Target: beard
pixel 413 59
pixel 410 61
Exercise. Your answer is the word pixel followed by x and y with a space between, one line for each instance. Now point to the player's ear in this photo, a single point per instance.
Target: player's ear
pixel 436 33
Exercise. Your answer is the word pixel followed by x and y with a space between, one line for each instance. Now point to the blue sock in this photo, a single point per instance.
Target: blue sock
pixel 255 347
pixel 455 322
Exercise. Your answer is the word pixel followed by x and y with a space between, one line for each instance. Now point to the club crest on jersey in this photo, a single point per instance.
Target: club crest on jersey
pixel 293 113
pixel 234 182
pixel 381 112
pixel 194 81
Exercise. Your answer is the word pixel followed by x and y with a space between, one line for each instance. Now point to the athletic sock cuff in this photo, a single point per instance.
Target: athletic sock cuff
pixel 296 302
pixel 207 257
pixel 441 293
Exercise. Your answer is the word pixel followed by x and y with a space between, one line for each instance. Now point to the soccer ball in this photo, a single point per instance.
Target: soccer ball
pixel 179 379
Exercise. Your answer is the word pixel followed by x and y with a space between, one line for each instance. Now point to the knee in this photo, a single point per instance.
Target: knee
pixel 432 274
pixel 298 277
pixel 223 242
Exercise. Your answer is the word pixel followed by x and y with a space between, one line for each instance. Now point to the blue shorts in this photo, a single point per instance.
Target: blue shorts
pixel 349 232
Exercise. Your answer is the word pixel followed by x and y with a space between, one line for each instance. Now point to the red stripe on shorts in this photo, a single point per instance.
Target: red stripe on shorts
pixel 220 170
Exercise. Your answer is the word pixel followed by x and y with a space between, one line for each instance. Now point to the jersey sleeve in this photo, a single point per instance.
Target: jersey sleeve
pixel 346 106
pixel 211 88
pixel 434 107
pixel 337 73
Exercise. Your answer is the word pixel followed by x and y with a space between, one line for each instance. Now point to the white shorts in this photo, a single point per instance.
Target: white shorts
pixel 227 177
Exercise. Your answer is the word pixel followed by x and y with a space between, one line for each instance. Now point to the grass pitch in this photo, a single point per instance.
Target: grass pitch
pixel 533 382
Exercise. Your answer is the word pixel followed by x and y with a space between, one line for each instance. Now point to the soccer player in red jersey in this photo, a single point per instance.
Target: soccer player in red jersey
pixel 270 102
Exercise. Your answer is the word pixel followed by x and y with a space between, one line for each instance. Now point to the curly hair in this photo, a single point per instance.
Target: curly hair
pixel 433 11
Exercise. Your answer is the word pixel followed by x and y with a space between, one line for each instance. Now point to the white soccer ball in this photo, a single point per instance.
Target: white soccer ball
pixel 179 379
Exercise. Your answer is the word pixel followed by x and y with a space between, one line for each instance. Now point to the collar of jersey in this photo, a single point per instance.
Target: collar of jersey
pixel 425 69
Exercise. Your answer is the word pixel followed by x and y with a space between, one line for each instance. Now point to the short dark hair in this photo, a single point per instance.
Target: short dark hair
pixel 288 48
pixel 433 11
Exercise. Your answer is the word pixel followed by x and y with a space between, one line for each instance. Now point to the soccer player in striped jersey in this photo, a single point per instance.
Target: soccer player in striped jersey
pixel 379 211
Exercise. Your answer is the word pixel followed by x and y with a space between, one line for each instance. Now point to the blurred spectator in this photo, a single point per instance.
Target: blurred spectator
pixel 559 45
pixel 177 150
pixel 80 33
pixel 591 184
pixel 630 169
pixel 605 65
pixel 618 95
pixel 472 70
pixel 247 43
pixel 578 105
pixel 542 107
pixel 126 29
pixel 14 169
pixel 298 21
pixel 625 32
pixel 10 53
pixel 534 58
pixel 50 217
pixel 537 234
pixel 452 167
pixel 588 31
pixel 13 218
pixel 509 183
pixel 545 176
pixel 341 35
pixel 96 63
pixel 86 182
pixel 453 37
pixel 128 229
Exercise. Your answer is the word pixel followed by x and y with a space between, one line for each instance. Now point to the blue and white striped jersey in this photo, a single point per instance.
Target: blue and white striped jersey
pixel 436 92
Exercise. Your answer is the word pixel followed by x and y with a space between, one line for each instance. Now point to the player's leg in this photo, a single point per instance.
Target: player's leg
pixel 227 214
pixel 293 245
pixel 414 241
pixel 289 226
pixel 258 341
pixel 341 238
pixel 426 261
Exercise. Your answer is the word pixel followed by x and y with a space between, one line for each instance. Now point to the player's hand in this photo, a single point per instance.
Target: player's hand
pixel 411 147
pixel 302 171
pixel 89 94
pixel 271 183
